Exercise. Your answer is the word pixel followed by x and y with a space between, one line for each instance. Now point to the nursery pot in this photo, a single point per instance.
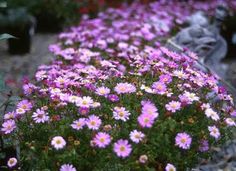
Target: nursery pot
pixel 48 23
pixel 22 44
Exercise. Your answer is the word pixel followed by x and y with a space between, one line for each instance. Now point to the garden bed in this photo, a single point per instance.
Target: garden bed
pixel 116 98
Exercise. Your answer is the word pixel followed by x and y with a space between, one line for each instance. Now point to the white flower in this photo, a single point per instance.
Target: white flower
pixel 214 131
pixel 212 114
pixel 136 136
pixel 58 142
pixel 85 101
pixel 120 113
pixel 170 167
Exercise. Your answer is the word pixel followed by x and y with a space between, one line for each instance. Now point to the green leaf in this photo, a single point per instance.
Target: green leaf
pixel 6 36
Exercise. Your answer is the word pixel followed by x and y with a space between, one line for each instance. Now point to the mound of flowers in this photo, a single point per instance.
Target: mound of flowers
pixel 115 99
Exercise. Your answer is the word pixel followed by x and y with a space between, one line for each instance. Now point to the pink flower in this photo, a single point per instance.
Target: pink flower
pixel 136 136
pixel 103 91
pixel 122 148
pixel 79 124
pixel 8 126
pixel 210 113
pixel 102 139
pixel 214 131
pixel 120 113
pixel 11 162
pixel 149 108
pixel 146 120
pixel 230 122
pixel 58 142
pixel 9 115
pixel 165 78
pixel 170 167
pixel 123 88
pixel 183 140
pixel 173 106
pixel 159 87
pixel 40 116
pixel 67 167
pixel 93 122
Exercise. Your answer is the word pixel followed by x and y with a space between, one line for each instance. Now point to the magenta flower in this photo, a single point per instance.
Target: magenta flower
pixel 102 139
pixel 123 88
pixel 122 148
pixel 113 98
pixel 159 87
pixel 67 167
pixel 120 113
pixel 183 140
pixel 8 126
pixel 40 116
pixel 79 124
pixel 83 110
pixel 146 120
pixel 93 122
pixel 173 106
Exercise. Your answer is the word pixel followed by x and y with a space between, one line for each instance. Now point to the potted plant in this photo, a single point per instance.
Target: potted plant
pixel 20 24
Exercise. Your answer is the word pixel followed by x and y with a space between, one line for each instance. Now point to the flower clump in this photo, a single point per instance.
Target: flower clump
pixel 115 98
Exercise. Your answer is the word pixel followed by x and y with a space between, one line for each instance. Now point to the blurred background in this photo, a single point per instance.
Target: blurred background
pixel 36 24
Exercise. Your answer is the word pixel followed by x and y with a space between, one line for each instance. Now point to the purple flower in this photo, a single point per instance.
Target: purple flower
pixel 204 146
pixel 67 167
pixel 165 78
pixel 25 104
pixel 122 148
pixel 83 110
pixel 183 140
pixel 102 139
pixel 11 162
pixel 113 98
pixel 93 122
pixel 149 108
pixel 8 126
pixel 79 124
pixel 159 87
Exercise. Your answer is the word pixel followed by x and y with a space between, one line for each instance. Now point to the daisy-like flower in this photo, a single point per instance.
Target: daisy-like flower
pixel 58 142
pixel 11 162
pixel 143 159
pixel 67 167
pixel 170 167
pixel 159 87
pixel 25 105
pixel 230 122
pixel 180 74
pixel 173 106
pixel 40 116
pixel 102 139
pixel 85 101
pixel 204 145
pixel 102 91
pixel 20 111
pixel 9 115
pixel 83 110
pixel 214 131
pixel 149 108
pixel 146 120
pixel 210 113
pixel 8 126
pixel 93 122
pixel 123 88
pixel 113 98
pixel 136 136
pixel 120 113
pixel 73 99
pixel 122 148
pixel 79 124
pixel 165 78
pixel 183 140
